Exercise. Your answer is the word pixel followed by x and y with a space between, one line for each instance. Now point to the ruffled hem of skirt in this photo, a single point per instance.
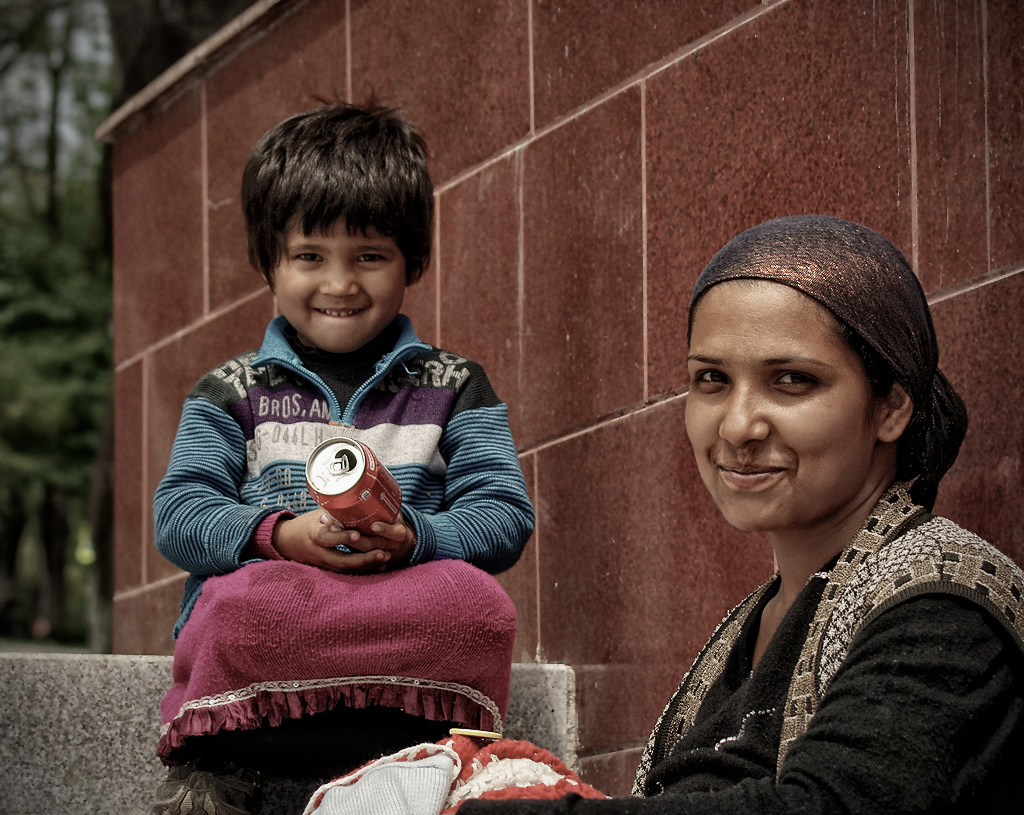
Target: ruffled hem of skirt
pixel 270 703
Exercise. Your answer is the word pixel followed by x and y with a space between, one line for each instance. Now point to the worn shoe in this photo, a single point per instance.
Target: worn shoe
pixel 192 790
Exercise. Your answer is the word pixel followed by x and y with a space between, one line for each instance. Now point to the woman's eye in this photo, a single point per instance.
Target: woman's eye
pixel 795 378
pixel 710 377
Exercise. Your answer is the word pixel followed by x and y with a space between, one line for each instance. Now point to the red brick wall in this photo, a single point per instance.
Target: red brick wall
pixel 589 157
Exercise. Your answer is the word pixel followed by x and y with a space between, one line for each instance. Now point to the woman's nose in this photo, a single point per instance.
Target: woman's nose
pixel 744 418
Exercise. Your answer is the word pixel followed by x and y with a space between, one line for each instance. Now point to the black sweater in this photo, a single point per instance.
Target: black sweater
pixel 926 715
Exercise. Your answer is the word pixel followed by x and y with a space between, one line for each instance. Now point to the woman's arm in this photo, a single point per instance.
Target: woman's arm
pixel 925 715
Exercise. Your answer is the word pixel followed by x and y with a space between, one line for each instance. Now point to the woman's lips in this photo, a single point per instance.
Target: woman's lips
pixel 749 477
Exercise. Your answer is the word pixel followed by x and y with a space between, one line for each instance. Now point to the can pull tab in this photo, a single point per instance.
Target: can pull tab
pixel 344 462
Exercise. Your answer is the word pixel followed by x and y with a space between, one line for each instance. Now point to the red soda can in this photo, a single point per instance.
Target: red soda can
pixel 345 477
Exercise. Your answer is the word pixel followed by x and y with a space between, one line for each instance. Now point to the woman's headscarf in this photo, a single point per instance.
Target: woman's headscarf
pixel 867 284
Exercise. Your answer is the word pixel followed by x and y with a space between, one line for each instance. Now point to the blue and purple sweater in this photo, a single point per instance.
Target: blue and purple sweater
pixel 429 415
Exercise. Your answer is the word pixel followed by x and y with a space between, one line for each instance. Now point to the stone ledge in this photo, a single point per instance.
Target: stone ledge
pixel 79 730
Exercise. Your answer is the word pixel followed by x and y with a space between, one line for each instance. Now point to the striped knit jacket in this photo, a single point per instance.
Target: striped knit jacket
pixel 430 416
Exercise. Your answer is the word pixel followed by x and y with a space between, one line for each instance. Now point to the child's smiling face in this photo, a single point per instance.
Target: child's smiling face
pixel 339 291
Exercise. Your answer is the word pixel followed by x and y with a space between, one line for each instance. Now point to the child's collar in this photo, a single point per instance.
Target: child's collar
pixel 276 348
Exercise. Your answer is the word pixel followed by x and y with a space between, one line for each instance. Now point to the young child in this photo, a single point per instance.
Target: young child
pixel 304 646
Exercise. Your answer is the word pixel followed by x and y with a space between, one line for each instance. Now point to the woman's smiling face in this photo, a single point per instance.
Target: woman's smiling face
pixel 787 433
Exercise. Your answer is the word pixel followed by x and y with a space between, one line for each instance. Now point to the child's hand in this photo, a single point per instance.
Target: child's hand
pixel 311 538
pixel 396 540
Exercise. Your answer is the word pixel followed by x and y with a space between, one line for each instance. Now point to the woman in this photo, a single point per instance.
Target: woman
pixel 882 668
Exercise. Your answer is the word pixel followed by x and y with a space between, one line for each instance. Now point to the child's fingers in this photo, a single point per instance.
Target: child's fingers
pixel 374 560
pixel 331 524
pixel 392 532
pixel 331 536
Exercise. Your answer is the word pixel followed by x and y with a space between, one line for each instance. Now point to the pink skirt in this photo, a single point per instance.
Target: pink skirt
pixel 277 640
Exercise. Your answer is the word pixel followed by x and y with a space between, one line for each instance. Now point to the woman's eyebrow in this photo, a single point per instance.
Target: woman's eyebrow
pixel 767 363
pixel 797 360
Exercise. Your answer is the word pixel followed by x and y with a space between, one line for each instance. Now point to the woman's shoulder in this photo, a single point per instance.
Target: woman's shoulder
pixel 928 571
pixel 929 556
pixel 932 557
pixel 948 533
pixel 933 552
pixel 960 557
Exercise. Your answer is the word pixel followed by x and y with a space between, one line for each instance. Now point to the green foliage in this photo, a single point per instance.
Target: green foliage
pixel 54 321
pixel 54 276
pixel 56 69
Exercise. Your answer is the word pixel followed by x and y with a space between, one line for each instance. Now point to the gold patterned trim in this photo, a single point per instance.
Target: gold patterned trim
pixel 883 522
pixel 681 710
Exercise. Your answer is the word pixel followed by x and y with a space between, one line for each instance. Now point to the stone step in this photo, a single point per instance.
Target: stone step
pixel 79 731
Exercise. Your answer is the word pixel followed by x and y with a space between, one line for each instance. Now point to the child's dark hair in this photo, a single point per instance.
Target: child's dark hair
pixel 365 166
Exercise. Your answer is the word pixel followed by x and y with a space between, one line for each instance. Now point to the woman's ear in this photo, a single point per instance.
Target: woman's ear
pixel 894 412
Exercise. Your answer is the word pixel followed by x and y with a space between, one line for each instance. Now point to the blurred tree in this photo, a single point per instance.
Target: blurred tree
pixel 151 35
pixel 55 69
pixel 63 63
